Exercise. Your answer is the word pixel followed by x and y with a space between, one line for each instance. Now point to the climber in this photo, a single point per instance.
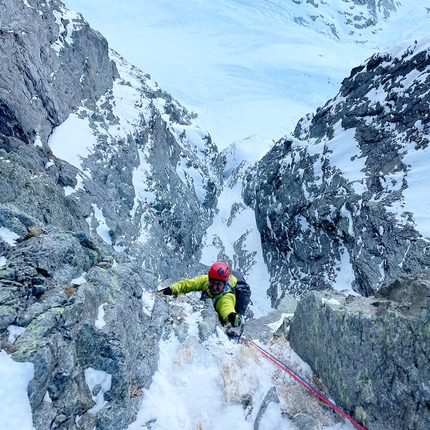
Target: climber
pixel 228 290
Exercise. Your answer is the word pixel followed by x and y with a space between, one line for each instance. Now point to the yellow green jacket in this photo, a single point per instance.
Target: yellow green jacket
pixel 224 303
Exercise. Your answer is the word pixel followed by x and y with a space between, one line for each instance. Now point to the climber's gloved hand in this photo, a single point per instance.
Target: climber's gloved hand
pixel 235 319
pixel 166 291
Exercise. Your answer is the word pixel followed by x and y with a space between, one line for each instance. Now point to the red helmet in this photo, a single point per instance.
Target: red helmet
pixel 219 271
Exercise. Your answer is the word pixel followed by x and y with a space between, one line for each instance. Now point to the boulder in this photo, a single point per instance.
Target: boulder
pixel 371 353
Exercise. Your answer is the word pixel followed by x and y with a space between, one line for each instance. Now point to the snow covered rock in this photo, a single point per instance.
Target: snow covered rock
pixel 100 327
pixel 371 353
pixel 50 59
pixel 347 19
pixel 344 203
pixel 106 186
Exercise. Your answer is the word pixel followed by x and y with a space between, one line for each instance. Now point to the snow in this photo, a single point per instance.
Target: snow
pixel 344 273
pixel 201 385
pixel 246 68
pixel 140 175
pixel 100 322
pixel 102 228
pixel 8 236
pixel 95 378
pixel 331 302
pixel 79 185
pixel 80 280
pixel 73 141
pixel 66 32
pixel 15 410
pixel 240 229
pixel 415 197
pixel 250 149
pixel 14 332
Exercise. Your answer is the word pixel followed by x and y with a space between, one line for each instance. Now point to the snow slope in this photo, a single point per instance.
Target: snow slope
pixel 252 67
pixel 221 384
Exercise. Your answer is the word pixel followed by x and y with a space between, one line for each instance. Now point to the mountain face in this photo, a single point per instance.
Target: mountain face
pixel 82 236
pixel 108 187
pixel 346 20
pixel 77 75
pixel 338 195
pixel 41 81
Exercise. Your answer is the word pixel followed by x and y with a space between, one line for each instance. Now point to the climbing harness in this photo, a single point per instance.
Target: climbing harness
pixel 303 382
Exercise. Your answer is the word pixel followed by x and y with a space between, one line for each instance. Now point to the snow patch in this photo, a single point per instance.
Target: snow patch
pixel 8 236
pixel 72 140
pixel 100 322
pixel 100 380
pixel 15 410
pixel 14 332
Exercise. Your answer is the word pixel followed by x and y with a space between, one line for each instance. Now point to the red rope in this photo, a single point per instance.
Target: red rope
pixel 303 382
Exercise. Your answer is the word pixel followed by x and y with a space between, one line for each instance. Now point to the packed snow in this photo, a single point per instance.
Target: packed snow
pixel 15 410
pixel 8 236
pixel 220 384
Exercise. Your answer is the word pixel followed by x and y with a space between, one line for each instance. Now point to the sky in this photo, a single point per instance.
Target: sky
pixel 250 73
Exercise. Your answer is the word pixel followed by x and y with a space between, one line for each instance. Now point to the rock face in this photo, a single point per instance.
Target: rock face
pixel 84 238
pixel 45 71
pixel 87 233
pixel 332 202
pixel 101 326
pixel 350 21
pixel 138 175
pixel 371 353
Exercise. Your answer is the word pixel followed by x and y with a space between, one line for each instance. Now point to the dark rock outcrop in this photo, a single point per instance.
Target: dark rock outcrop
pixel 371 353
pixel 47 68
pixel 332 198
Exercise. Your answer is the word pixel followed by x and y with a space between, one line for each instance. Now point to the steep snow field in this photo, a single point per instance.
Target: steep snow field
pixel 220 384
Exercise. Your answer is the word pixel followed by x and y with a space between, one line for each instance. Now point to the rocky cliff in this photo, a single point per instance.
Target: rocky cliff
pixel 51 61
pixel 335 202
pixel 372 353
pixel 92 214
pixel 342 204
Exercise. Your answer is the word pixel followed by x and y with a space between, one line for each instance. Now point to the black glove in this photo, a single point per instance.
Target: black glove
pixel 235 319
pixel 167 291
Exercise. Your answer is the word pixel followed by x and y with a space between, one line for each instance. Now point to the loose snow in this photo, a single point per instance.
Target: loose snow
pixel 15 410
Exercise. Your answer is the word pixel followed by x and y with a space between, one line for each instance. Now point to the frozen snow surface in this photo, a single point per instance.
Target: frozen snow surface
pixel 208 385
pixel 15 411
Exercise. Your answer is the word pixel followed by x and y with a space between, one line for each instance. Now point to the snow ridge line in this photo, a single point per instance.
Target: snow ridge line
pixel 306 384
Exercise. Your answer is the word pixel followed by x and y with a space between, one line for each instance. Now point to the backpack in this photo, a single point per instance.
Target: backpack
pixel 242 291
